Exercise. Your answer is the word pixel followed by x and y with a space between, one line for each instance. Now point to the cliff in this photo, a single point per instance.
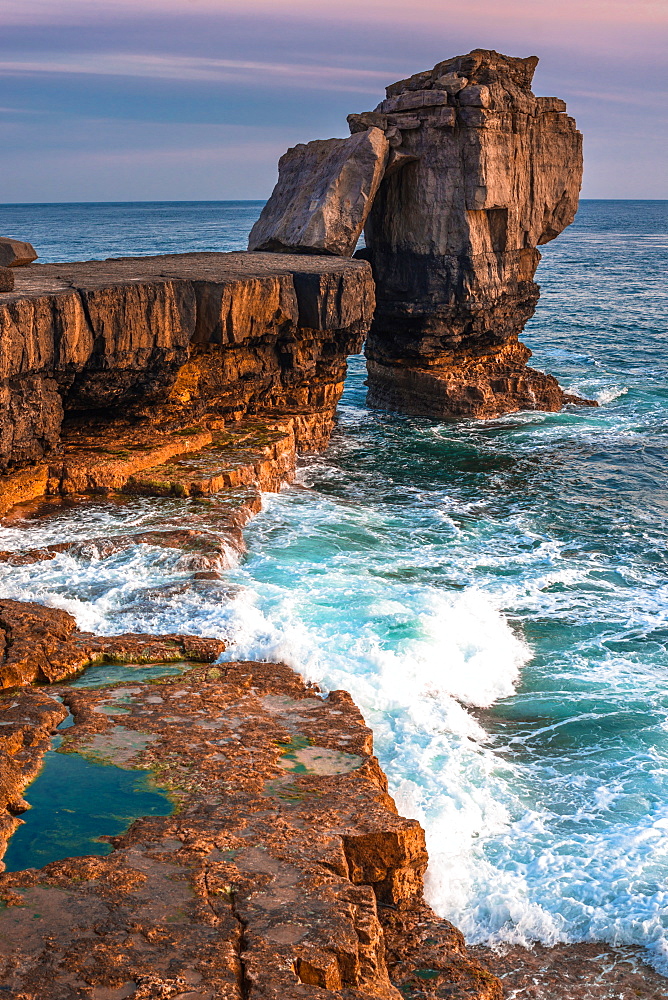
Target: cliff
pixel 153 357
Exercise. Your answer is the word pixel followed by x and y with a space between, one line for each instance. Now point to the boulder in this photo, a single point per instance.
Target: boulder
pixel 15 253
pixel 323 196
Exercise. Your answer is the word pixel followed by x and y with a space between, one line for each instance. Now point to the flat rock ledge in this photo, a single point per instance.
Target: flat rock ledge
pixel 284 872
pixel 142 360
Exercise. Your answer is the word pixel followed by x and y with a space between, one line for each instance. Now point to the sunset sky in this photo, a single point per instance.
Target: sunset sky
pixel 121 100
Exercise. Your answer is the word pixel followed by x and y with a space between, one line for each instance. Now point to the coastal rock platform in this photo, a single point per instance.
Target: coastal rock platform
pixel 590 970
pixel 283 872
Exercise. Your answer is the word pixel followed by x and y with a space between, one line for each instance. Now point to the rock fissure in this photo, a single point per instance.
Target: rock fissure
pixel 242 980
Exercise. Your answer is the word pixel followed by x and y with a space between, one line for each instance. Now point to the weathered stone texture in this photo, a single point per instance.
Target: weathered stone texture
pixel 174 339
pixel 44 644
pixel 285 874
pixel 491 172
pixel 15 253
pixel 324 192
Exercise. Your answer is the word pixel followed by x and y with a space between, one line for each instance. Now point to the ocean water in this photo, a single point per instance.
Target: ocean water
pixel 494 595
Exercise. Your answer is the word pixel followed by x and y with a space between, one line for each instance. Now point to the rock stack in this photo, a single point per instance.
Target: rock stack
pixel 478 173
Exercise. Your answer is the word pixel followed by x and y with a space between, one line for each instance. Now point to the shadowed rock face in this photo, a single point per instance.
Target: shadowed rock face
pixel 488 173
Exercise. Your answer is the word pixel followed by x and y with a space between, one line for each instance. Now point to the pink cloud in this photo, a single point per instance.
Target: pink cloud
pixel 530 12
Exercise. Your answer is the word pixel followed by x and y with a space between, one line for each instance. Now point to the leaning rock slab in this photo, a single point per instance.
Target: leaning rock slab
pixel 16 253
pixel 323 196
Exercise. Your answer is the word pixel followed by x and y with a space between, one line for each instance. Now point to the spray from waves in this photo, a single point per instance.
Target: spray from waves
pixel 462 652
pixel 604 396
pixel 459 648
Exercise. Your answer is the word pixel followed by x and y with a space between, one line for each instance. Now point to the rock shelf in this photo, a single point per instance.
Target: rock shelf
pixel 284 873
pixel 44 644
pixel 109 368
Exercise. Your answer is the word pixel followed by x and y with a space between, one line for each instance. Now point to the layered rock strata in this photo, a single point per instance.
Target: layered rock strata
pixel 167 347
pixel 489 172
pixel 285 872
pixel 207 533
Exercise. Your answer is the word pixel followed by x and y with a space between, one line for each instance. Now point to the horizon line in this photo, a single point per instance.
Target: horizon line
pixel 216 201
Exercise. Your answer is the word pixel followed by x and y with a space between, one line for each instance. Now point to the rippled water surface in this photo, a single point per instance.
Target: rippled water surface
pixel 494 595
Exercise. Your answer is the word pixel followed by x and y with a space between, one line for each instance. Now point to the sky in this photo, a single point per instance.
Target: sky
pixel 135 100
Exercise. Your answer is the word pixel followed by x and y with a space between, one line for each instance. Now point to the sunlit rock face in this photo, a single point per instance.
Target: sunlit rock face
pixel 482 173
pixel 169 340
pixel 323 196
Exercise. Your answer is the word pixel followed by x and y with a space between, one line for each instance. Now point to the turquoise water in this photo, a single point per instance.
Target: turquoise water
pixel 75 801
pixel 494 595
pixel 103 674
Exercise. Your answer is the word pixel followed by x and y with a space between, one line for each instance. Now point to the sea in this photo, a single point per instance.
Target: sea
pixel 493 594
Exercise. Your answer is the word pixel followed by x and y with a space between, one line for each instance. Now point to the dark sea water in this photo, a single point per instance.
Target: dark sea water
pixel 494 595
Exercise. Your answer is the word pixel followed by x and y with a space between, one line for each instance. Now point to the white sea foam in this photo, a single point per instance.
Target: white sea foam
pixel 609 395
pixel 421 662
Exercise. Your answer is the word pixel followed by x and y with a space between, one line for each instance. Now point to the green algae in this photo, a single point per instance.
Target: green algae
pixel 427 973
pixel 106 674
pixel 300 756
pixel 75 801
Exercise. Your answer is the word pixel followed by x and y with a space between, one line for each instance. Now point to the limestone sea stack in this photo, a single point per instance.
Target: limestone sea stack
pixel 457 176
pixel 491 173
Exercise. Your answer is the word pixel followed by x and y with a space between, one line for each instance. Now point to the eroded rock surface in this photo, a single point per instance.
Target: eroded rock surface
pixel 175 339
pixel 488 172
pixel 323 196
pixel 285 873
pixel 590 970
pixel 208 533
pixel 44 644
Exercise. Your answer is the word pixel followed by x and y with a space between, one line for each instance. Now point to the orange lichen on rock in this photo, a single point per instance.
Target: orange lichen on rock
pixel 166 341
pixel 285 872
pixel 44 644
